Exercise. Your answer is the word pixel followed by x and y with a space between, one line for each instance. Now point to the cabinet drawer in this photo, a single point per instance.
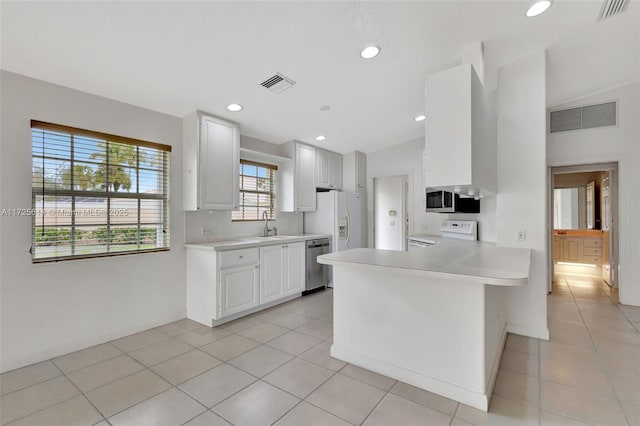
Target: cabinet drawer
pixel 239 257
pixel 592 242
pixel 592 259
pixel 592 251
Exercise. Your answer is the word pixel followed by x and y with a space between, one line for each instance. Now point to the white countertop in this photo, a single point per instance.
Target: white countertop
pixel 460 260
pixel 248 242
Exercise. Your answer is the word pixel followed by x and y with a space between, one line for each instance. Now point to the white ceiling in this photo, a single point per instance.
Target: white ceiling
pixel 175 57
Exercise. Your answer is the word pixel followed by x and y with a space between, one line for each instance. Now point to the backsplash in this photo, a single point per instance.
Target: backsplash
pixel 223 227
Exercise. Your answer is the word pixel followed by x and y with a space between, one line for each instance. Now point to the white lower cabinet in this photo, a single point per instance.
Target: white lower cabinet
pixel 239 289
pixel 271 273
pixel 224 284
pixel 294 260
pixel 281 271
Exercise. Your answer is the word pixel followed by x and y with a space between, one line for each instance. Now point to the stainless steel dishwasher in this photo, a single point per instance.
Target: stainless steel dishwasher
pixel 317 274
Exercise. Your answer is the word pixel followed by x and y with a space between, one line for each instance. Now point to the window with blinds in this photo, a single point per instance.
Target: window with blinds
pixel 95 194
pixel 257 192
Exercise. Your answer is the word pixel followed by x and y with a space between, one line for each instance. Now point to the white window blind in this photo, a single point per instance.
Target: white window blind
pixel 96 194
pixel 257 191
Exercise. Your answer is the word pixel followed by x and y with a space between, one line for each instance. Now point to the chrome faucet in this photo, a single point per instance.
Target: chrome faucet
pixel 267 230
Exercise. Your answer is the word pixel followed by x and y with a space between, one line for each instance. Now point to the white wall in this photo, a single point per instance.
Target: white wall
pixel 387 198
pixel 406 159
pixel 53 308
pixel 223 227
pixel 522 187
pixel 619 143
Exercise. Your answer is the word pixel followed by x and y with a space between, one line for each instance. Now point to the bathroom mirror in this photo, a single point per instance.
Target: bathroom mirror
pixel 575 207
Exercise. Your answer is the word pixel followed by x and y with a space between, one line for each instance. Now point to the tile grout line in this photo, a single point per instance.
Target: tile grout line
pixel 600 358
pixel 145 367
pixel 89 365
pixel 301 400
pixel 540 409
pixel 83 394
pixel 374 408
pixel 57 403
pixel 335 373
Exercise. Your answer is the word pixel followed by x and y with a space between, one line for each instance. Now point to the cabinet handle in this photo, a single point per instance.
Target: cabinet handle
pixel 240 256
pixel 257 266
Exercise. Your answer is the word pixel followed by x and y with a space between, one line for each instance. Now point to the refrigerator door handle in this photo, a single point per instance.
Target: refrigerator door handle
pixel 348 229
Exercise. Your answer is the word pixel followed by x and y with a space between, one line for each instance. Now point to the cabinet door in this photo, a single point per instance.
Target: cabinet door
pixel 572 250
pixel 322 169
pixel 335 170
pixel 294 266
pixel 557 249
pixel 239 289
pixel 218 164
pixel 271 273
pixel 305 179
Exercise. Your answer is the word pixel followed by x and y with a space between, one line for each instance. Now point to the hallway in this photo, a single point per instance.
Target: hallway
pixel 590 368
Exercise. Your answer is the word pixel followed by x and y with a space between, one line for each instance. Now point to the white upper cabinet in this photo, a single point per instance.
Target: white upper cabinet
pixel 335 170
pixel 322 168
pixel 461 138
pixel 211 158
pixel 328 169
pixel 354 172
pixel 297 179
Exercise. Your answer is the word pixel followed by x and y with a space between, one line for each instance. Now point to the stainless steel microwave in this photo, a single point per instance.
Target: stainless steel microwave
pixel 449 202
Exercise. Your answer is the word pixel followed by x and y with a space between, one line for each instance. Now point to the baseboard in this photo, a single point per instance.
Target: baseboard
pixel 76 345
pixel 229 318
pixel 536 333
pixel 455 392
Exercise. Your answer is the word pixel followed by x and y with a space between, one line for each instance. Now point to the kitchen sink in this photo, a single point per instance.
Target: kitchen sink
pixel 276 237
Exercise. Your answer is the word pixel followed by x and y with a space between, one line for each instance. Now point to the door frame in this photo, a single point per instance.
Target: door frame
pixel 407 203
pixel 613 168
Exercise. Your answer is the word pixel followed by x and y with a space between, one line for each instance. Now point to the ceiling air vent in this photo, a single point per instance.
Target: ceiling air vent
pixel 585 117
pixel 612 7
pixel 278 83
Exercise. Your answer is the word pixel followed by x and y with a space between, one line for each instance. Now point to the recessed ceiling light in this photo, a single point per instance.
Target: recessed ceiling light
pixel 420 117
pixel 320 138
pixel 538 7
pixel 234 107
pixel 370 52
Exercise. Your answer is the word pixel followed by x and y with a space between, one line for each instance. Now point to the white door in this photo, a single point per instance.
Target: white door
pixel 294 267
pixel 389 212
pixel 271 273
pixel 239 289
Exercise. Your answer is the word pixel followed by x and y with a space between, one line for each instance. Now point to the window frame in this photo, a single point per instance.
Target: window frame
pixel 272 194
pixel 107 194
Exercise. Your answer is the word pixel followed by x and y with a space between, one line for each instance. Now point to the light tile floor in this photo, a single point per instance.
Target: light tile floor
pixel 274 368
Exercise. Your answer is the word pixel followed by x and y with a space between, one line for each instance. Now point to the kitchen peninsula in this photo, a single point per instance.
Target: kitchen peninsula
pixel 434 318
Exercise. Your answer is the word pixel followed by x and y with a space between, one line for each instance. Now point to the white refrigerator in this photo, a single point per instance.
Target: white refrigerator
pixel 339 214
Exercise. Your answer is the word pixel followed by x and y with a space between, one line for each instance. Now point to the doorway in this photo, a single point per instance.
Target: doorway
pixel 390 213
pixel 583 206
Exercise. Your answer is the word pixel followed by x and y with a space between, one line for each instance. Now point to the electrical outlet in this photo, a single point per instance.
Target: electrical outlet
pixel 207 231
pixel 521 235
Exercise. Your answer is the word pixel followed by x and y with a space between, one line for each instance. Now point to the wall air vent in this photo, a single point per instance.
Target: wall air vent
pixel 612 7
pixel 278 83
pixel 585 117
